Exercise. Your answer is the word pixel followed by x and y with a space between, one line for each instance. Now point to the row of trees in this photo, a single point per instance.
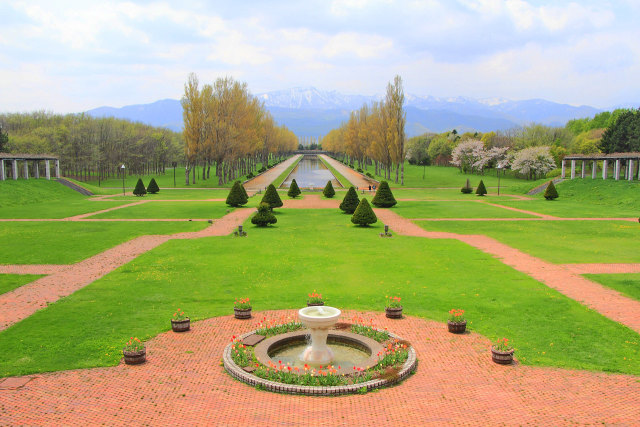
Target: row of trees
pixel 374 135
pixel 88 147
pixel 227 127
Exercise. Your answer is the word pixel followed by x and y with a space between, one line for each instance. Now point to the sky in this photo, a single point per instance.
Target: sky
pixel 70 56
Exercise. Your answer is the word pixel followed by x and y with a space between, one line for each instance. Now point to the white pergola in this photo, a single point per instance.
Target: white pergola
pixel 35 160
pixel 627 161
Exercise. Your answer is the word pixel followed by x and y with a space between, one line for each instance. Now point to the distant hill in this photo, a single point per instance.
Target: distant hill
pixel 314 112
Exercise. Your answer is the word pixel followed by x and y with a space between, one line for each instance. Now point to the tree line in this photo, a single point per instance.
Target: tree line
pixel 374 135
pixel 228 128
pixel 91 148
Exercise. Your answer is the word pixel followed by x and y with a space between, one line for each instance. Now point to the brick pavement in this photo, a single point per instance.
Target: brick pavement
pixel 455 384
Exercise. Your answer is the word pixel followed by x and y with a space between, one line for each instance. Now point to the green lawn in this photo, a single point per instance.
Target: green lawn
pixel 178 194
pixel 57 209
pixel 627 284
pixel 280 179
pixel 560 242
pixel 427 194
pixel 351 266
pixel 27 192
pixel 456 209
pixel 70 242
pixel 9 282
pixel 566 208
pixel 170 210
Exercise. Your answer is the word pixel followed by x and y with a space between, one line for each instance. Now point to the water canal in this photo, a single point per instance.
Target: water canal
pixel 311 172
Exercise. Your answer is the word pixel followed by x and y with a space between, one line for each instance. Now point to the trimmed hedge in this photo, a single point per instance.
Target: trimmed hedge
pixel 294 190
pixel 384 197
pixel 237 195
pixel 153 186
pixel 551 193
pixel 328 191
pixel 264 217
pixel 271 197
pixel 364 215
pixel 481 190
pixel 350 201
pixel 139 190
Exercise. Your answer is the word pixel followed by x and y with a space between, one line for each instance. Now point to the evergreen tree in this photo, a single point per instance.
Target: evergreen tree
pixel 294 190
pixel 481 190
pixel 350 201
pixel 384 197
pixel 551 193
pixel 140 190
pixel 153 186
pixel 4 141
pixel 623 136
pixel 271 197
pixel 328 191
pixel 467 188
pixel 364 215
pixel 264 216
pixel 237 196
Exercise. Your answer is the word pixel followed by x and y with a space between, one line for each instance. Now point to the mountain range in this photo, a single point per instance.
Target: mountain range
pixel 312 112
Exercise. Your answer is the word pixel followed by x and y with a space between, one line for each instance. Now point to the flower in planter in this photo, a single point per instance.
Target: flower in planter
pixel 315 298
pixel 503 345
pixel 179 315
pixel 393 302
pixel 242 304
pixel 134 345
pixel 456 316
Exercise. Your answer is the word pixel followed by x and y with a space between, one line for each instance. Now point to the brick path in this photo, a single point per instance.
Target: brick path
pixel 455 384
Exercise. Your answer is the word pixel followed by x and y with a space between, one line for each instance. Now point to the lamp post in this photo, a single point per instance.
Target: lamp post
pixel 499 168
pixel 122 168
pixel 174 164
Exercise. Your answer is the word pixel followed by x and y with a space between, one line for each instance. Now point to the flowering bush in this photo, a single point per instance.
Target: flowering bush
pixel 393 302
pixel 309 376
pixel 133 345
pixel 368 329
pixel 179 315
pixel 503 345
pixel 533 161
pixel 272 327
pixel 394 353
pixel 242 304
pixel 315 298
pixel 240 354
pixel 456 316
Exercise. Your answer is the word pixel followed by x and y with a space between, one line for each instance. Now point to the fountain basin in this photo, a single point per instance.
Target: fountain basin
pixel 319 316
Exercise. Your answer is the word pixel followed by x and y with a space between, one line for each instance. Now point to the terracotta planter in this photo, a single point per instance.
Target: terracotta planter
pixel 181 325
pixel 242 313
pixel 502 357
pixel 314 304
pixel 393 312
pixel 135 357
pixel 456 328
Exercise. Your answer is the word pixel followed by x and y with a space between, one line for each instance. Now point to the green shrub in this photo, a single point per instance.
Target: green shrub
pixel 481 190
pixel 369 175
pixel 551 193
pixel 350 201
pixel 294 190
pixel 140 190
pixel 153 186
pixel 262 169
pixel 328 191
pixel 553 173
pixel 359 170
pixel 364 215
pixel 237 195
pixel 264 216
pixel 250 175
pixel 467 188
pixel 271 197
pixel 384 197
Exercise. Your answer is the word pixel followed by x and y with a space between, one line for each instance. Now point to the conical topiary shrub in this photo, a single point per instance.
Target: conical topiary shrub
pixel 244 191
pixel 264 216
pixel 364 215
pixel 350 201
pixel 237 196
pixel 467 188
pixel 271 197
pixel 153 186
pixel 139 190
pixel 551 193
pixel 384 197
pixel 294 190
pixel 481 190
pixel 328 191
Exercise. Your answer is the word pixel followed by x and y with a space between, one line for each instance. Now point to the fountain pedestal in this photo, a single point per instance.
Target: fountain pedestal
pixel 318 319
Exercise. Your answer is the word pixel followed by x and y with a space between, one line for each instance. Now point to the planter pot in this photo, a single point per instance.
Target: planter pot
pixel 393 312
pixel 181 325
pixel 502 357
pixel 456 328
pixel 314 304
pixel 242 313
pixel 135 357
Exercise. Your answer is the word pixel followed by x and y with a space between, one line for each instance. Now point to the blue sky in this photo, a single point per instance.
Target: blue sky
pixel 69 56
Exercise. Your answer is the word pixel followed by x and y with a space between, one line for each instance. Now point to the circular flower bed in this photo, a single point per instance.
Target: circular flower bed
pixel 392 360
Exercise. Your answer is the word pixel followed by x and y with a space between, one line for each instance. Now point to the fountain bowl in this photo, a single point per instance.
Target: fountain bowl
pixel 319 317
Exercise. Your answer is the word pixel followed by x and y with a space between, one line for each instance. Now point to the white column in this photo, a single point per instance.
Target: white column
pixel 584 170
pixel 630 170
pixel 594 168
pixel 573 169
pixel 36 165
pixel 57 168
pixel 605 167
pixel 15 169
pixel 617 169
pixel 26 169
pixel 47 169
pixel 563 169
pixel 2 175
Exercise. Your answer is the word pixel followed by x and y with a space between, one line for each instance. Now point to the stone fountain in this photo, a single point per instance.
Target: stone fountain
pixel 318 319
